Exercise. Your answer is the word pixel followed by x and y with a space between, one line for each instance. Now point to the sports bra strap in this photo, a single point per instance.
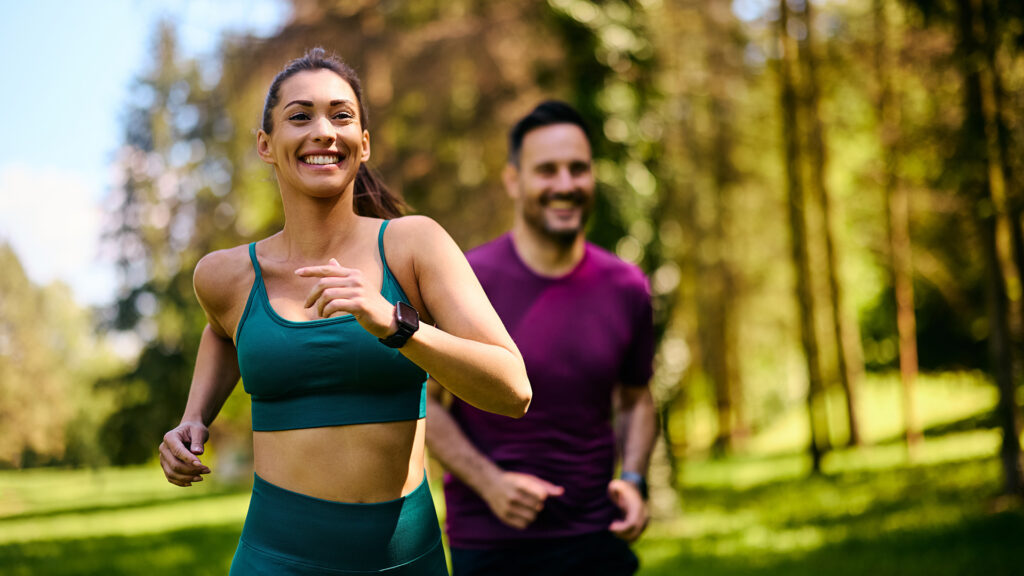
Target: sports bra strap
pixel 255 262
pixel 380 244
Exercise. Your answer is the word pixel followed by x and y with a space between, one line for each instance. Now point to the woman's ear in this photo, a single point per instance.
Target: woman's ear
pixel 263 148
pixel 366 146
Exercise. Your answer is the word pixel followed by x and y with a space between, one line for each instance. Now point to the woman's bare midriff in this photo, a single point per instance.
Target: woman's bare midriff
pixel 357 463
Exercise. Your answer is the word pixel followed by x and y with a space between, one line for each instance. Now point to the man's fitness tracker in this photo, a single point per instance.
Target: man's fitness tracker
pixel 408 320
pixel 637 480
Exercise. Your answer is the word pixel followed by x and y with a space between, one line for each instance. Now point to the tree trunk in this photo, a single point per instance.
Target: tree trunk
pixel 798 231
pixel 844 332
pixel 717 20
pixel 897 211
pixel 976 155
pixel 1011 199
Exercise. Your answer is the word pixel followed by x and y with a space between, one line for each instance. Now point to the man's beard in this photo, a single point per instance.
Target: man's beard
pixel 565 236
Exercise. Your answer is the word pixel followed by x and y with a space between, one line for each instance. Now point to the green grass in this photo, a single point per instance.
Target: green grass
pixel 873 512
pixel 940 517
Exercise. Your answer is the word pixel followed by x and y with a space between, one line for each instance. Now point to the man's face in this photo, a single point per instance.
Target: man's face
pixel 554 185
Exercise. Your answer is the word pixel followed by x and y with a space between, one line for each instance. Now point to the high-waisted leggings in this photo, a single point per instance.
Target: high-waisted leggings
pixel 291 534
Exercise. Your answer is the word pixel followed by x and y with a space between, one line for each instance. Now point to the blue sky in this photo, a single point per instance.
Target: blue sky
pixel 66 67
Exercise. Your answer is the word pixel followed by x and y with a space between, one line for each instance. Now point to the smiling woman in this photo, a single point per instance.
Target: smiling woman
pixel 323 323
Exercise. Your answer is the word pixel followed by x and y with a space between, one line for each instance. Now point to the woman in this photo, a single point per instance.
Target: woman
pixel 320 321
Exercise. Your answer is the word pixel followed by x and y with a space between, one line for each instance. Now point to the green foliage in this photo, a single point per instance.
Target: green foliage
pixel 49 360
pixel 683 101
pixel 174 204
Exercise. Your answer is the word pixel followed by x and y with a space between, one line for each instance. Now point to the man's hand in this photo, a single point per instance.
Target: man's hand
pixel 179 453
pixel 517 498
pixel 634 519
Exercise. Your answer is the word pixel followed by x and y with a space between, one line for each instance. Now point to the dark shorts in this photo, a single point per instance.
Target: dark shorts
pixel 597 554
pixel 291 534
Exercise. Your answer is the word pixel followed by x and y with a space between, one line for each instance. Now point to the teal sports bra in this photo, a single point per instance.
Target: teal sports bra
pixel 324 372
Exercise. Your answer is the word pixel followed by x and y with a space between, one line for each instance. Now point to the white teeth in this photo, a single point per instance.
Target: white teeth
pixel 321 160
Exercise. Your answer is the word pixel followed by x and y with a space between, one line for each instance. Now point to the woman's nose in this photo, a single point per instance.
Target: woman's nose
pixel 322 130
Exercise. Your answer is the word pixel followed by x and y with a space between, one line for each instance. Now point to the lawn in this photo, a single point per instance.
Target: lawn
pixel 872 512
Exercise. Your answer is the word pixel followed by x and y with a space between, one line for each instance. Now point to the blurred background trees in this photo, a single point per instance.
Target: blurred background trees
pixel 816 190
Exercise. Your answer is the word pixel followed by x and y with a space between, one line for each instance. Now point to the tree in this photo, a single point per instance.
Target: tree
pixel 172 205
pixel 798 229
pixel 843 332
pixel 976 182
pixel 49 359
pixel 897 208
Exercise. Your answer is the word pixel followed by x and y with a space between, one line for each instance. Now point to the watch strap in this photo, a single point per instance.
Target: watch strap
pixel 637 480
pixel 405 329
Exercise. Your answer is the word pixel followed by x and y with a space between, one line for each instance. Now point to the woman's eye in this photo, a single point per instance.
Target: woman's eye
pixel 344 116
pixel 299 116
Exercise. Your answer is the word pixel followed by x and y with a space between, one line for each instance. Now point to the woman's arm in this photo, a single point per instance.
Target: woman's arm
pixel 216 375
pixel 469 352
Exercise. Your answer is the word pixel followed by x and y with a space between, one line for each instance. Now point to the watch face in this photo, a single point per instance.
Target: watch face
pixel 407 315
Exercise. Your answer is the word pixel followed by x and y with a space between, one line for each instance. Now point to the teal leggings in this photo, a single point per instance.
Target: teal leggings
pixel 291 534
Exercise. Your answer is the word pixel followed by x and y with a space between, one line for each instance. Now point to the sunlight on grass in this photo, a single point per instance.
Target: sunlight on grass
pixel 146 519
pixel 940 399
pixel 46 490
pixel 782 518
pixel 47 504
pixel 757 512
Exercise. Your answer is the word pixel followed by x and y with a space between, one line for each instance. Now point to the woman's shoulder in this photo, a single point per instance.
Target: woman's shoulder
pixel 415 225
pixel 415 235
pixel 220 274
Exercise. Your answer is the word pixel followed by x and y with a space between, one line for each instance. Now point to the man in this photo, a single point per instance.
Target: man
pixel 539 495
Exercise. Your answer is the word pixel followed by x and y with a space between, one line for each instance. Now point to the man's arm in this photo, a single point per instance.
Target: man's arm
pixel 513 497
pixel 636 430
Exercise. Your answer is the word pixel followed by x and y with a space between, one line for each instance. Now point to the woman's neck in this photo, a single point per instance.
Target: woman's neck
pixel 315 228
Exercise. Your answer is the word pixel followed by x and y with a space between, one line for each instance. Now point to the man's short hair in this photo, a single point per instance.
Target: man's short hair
pixel 546 113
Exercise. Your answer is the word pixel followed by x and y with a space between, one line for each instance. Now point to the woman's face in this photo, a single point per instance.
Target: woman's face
pixel 317 142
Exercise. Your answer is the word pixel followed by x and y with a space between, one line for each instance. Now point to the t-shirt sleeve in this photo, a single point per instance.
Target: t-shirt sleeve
pixel 638 363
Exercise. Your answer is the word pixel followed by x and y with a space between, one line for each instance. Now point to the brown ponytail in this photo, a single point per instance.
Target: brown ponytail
pixel 371 197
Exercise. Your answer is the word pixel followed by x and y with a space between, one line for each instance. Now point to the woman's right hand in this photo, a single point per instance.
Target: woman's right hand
pixel 179 453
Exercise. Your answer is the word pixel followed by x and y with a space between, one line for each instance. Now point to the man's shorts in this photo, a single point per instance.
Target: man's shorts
pixel 597 554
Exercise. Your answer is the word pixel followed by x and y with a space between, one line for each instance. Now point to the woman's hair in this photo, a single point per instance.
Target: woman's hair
pixel 371 197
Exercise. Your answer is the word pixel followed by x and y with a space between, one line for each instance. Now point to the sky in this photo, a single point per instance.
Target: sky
pixel 66 68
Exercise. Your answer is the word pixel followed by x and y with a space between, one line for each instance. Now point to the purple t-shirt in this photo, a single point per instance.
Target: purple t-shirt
pixel 580 335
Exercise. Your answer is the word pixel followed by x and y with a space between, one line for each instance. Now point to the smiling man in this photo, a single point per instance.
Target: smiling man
pixel 540 495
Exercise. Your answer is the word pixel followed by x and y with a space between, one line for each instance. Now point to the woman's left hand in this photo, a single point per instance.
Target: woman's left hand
pixel 343 290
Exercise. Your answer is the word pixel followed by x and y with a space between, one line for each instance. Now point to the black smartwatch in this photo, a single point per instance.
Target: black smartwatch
pixel 637 480
pixel 408 320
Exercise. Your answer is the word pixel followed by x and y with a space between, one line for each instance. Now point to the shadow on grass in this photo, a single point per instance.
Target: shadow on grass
pixel 984 545
pixel 907 483
pixel 908 520
pixel 205 551
pixel 130 505
pixel 980 421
